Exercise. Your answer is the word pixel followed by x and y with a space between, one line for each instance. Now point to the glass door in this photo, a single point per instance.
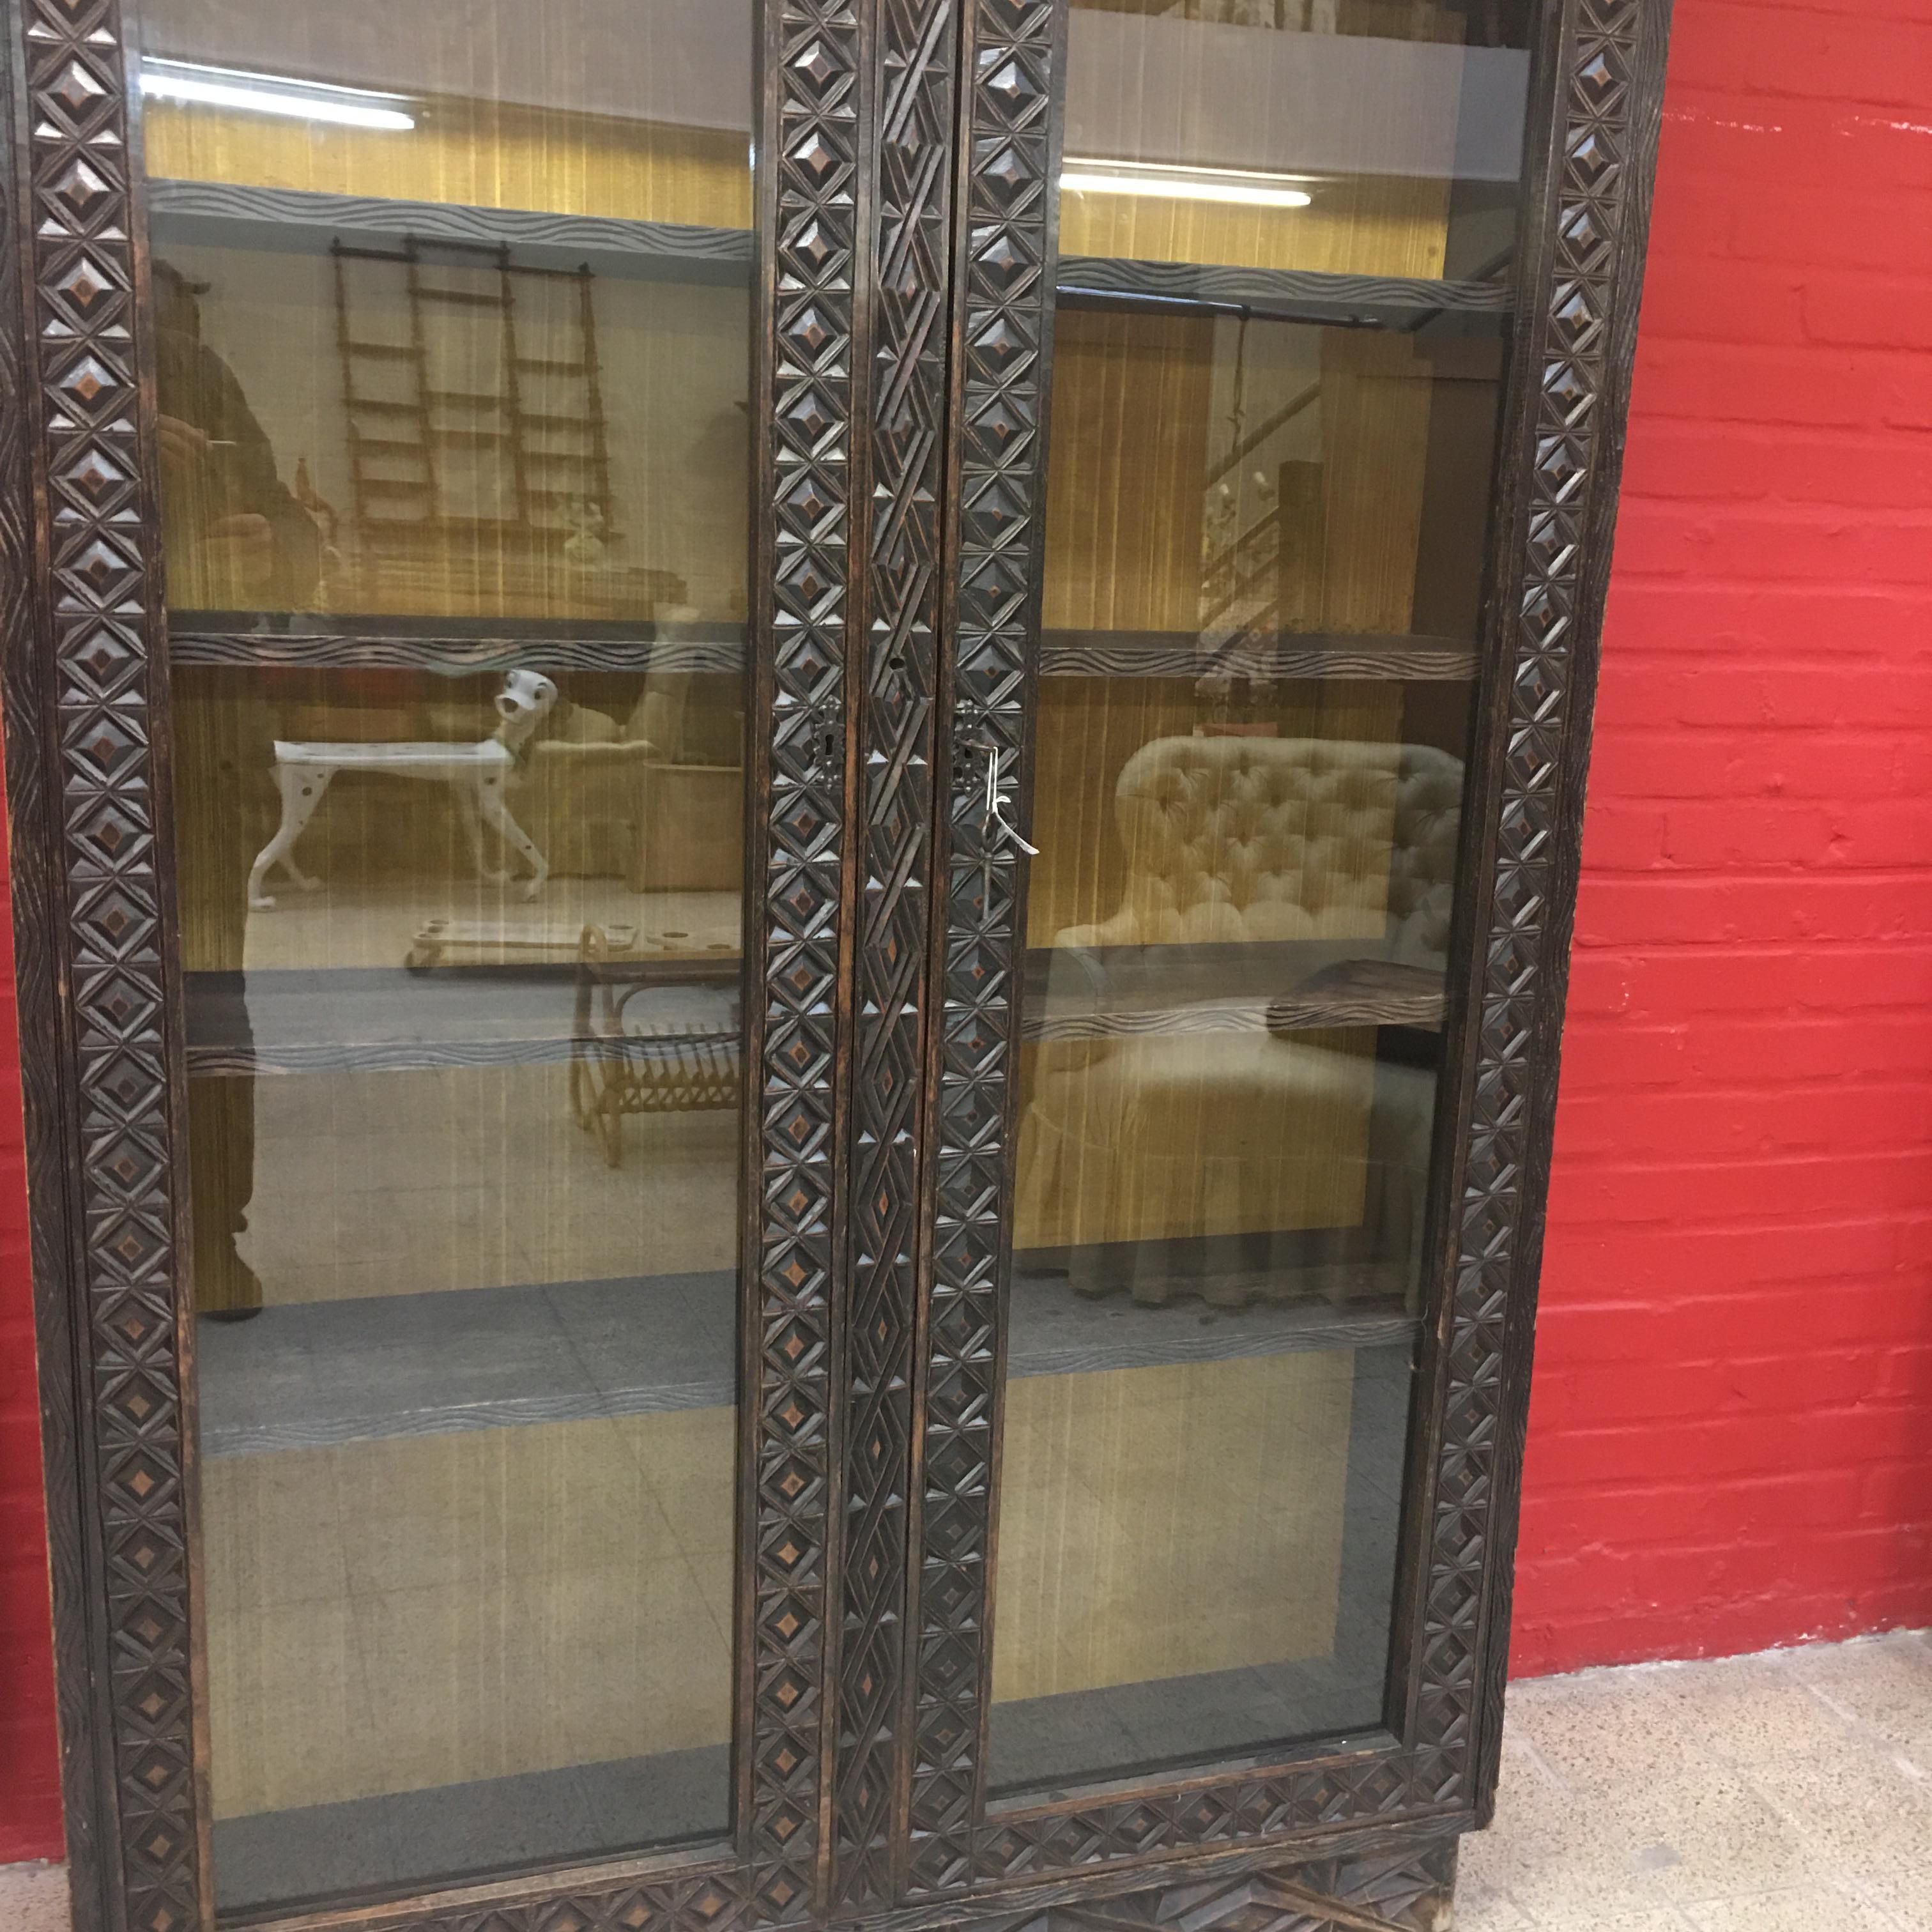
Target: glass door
pixel 1229 439
pixel 453 327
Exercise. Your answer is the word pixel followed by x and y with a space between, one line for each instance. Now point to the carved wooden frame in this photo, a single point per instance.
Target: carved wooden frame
pixel 86 697
pixel 1596 107
pixel 897 583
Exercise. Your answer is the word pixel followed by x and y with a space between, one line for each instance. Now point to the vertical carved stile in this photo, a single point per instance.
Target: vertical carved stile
pixel 1574 377
pixel 899 604
pixel 35 840
pixel 99 596
pixel 1003 303
pixel 813 127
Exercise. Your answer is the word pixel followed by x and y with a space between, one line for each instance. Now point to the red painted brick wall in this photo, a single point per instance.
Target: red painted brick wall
pixel 1731 1436
pixel 1732 1439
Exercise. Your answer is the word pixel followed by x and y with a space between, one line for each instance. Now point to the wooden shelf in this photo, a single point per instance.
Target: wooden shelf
pixel 1324 300
pixel 379 1018
pixel 351 1019
pixel 304 220
pixel 307 220
pixel 653 1344
pixel 1153 992
pixel 483 645
pixel 1285 654
pixel 235 639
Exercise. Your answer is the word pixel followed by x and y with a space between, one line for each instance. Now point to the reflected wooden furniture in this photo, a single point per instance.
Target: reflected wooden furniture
pixel 656 1033
pixel 631 801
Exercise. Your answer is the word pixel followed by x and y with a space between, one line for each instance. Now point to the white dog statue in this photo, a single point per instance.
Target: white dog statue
pixel 476 775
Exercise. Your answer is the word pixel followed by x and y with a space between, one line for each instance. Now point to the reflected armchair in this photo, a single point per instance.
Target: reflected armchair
pixel 1201 1117
pixel 657 801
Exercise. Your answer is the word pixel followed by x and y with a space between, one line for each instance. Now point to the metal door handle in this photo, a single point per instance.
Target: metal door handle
pixel 996 806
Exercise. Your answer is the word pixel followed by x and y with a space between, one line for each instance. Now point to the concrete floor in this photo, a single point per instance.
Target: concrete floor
pixel 1790 1792
pixel 33 1898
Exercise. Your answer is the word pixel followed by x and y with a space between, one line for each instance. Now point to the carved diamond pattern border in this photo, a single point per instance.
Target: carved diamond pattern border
pixel 98 573
pixel 1408 1891
pixel 901 599
pixel 1004 304
pixel 1571 355
pixel 99 578
pixel 808 464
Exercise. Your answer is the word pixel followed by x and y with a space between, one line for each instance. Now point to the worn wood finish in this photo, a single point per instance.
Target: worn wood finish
pixel 40 969
pixel 893 651
pixel 871 1807
pixel 1409 1889
pixel 85 673
pixel 1600 76
pixel 112 1039
pixel 1009 149
pixel 688 647
pixel 1571 438
pixel 815 52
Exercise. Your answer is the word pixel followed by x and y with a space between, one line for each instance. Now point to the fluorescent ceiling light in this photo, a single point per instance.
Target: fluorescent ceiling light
pixel 273 94
pixel 1248 187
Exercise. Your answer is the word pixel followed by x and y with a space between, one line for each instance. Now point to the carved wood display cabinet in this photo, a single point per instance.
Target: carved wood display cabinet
pixel 795 794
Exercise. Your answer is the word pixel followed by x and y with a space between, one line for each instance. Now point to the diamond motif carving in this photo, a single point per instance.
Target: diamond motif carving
pixel 1001 318
pixel 812 126
pixel 874 631
pixel 85 358
pixel 909 247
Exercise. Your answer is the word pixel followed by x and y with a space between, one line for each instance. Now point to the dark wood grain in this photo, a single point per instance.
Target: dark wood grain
pixel 1013 69
pixel 96 572
pixel 1315 295
pixel 888 1818
pixel 45 1048
pixel 894 649
pixel 648 647
pixel 1602 200
pixel 1285 654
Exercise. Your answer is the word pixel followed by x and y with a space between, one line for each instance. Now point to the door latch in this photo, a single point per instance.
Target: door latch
pixel 992 788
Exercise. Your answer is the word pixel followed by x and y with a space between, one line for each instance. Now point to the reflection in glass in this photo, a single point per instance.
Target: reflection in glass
pixel 1368 137
pixel 1268 506
pixel 452 360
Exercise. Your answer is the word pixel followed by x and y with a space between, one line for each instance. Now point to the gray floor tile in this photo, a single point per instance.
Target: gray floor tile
pixel 34 1898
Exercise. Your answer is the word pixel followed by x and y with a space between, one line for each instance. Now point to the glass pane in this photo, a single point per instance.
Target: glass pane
pixel 1364 137
pixel 454 312
pixel 1267 511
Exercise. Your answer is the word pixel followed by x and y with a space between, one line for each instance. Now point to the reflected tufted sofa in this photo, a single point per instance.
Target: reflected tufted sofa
pixel 1203 1129
pixel 1234 839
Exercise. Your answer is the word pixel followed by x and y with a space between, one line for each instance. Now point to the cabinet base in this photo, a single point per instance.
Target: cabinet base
pixel 1410 1890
